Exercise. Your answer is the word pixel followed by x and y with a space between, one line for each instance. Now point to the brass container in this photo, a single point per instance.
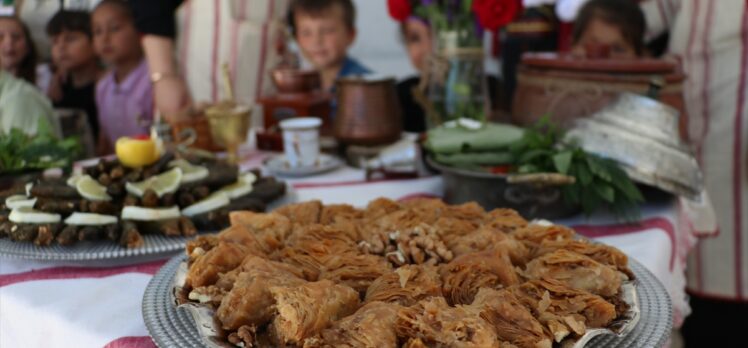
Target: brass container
pixel 368 112
pixel 229 124
pixel 289 80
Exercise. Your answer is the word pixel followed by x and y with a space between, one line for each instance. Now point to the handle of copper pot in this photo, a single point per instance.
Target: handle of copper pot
pixel 542 179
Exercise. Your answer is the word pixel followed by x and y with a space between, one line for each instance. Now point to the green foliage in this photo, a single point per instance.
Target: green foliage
pixel 19 151
pixel 600 182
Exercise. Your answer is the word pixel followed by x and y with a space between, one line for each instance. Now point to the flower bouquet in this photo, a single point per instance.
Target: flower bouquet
pixel 454 83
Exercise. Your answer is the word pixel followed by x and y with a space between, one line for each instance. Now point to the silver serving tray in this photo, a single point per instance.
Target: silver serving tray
pixel 155 246
pixel 646 324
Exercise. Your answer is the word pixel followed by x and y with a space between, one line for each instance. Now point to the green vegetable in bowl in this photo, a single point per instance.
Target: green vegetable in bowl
pixel 19 152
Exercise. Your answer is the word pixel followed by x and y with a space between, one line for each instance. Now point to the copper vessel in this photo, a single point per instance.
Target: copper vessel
pixel 290 80
pixel 566 88
pixel 368 112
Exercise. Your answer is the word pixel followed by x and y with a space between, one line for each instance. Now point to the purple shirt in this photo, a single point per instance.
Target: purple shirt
pixel 126 108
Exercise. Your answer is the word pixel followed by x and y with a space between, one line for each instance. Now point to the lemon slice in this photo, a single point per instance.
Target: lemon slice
pixel 73 180
pixel 167 182
pixel 91 190
pixel 26 215
pixel 241 187
pixel 150 214
pixel 210 203
pixel 88 219
pixel 190 172
pixel 18 201
pixel 133 152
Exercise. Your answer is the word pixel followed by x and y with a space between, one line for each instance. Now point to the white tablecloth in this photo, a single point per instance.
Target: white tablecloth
pixel 68 305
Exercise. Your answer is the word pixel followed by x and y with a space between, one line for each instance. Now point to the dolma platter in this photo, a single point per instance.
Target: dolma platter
pixel 104 252
pixel 173 324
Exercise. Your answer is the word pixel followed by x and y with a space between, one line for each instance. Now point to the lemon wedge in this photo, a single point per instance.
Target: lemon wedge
pixel 89 219
pixel 91 190
pixel 17 201
pixel 26 215
pixel 241 187
pixel 133 152
pixel 190 172
pixel 150 214
pixel 210 203
pixel 166 182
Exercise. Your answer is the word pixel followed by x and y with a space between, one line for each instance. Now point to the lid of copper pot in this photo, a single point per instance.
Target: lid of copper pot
pixel 368 78
pixel 565 61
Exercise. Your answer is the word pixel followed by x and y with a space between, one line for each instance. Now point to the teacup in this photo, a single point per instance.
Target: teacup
pixel 301 141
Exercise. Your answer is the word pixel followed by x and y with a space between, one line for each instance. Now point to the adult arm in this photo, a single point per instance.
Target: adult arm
pixel 155 19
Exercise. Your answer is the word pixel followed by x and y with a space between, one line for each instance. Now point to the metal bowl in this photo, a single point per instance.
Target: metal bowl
pixel 491 191
pixel 289 80
pixel 642 135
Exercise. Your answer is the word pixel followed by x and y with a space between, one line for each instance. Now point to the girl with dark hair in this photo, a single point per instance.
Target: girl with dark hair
pixel 17 52
pixel 615 27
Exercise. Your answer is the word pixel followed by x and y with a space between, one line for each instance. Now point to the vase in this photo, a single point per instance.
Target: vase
pixel 456 79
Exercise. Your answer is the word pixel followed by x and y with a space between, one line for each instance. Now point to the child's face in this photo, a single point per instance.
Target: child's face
pixel 72 50
pixel 324 39
pixel 600 33
pixel 115 38
pixel 417 42
pixel 13 44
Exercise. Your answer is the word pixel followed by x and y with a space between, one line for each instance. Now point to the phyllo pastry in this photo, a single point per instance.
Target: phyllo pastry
pixel 576 271
pixel 465 275
pixel 250 302
pixel 304 310
pixel 604 254
pixel 511 320
pixel 433 323
pixel 563 310
pixel 406 285
pixel 373 325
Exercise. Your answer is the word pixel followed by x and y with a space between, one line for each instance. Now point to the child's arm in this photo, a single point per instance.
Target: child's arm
pixel 54 91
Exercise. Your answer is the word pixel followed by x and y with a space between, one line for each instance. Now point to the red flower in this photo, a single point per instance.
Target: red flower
pixel 494 14
pixel 399 9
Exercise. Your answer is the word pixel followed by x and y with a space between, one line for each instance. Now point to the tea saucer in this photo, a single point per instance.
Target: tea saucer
pixel 278 165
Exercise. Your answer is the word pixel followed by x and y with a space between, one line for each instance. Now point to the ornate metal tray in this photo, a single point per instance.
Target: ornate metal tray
pixel 172 326
pixel 154 246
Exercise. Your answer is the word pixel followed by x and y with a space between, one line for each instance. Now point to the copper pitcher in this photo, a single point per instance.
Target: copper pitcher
pixel 368 112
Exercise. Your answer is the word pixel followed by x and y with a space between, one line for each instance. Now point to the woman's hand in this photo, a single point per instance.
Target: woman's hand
pixel 171 94
pixel 172 98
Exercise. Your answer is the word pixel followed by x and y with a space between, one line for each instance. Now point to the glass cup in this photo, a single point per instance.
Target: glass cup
pixel 301 141
pixel 229 124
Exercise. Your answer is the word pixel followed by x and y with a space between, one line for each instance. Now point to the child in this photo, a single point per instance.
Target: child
pixel 324 30
pixel 76 64
pixel 124 95
pixel 17 52
pixel 609 28
pixel 418 43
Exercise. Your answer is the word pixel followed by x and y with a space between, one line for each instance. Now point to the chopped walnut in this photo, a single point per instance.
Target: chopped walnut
pixel 244 337
pixel 420 245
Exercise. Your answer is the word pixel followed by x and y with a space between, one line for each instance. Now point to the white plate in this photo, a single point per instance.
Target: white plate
pixel 278 165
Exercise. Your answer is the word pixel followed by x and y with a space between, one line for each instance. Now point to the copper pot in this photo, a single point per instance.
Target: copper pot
pixel 289 80
pixel 566 88
pixel 368 112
